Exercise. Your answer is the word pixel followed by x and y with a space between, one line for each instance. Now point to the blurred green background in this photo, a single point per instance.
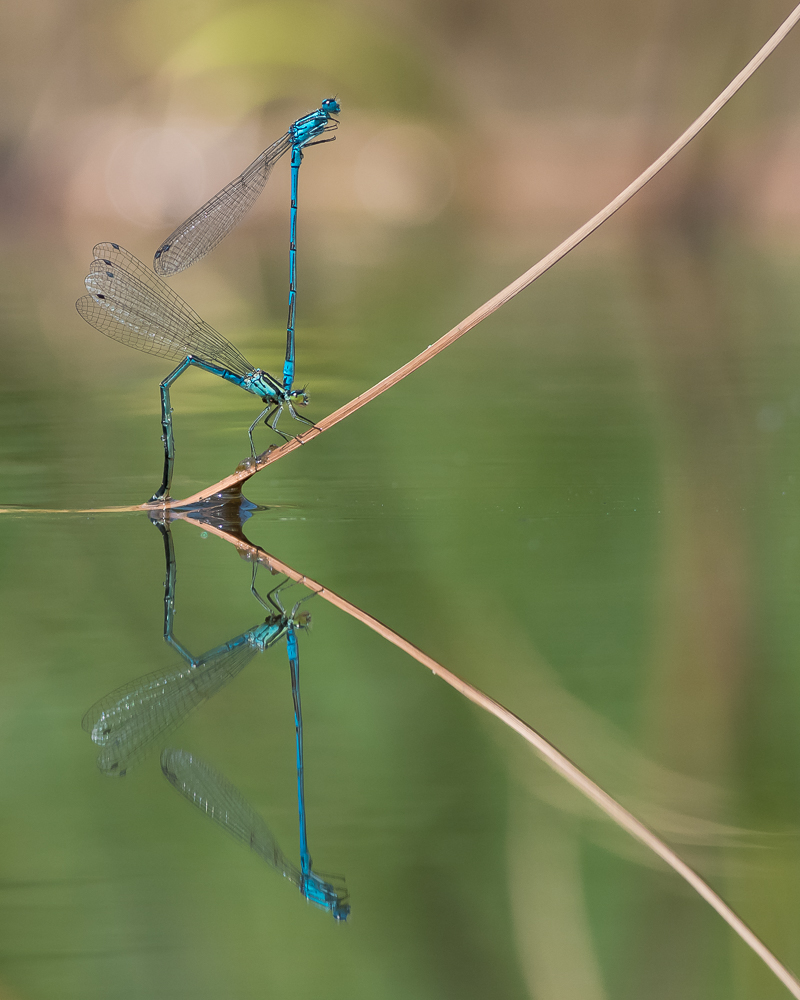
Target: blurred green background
pixel 586 507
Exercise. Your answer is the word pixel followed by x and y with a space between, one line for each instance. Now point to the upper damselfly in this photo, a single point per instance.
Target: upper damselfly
pixel 211 223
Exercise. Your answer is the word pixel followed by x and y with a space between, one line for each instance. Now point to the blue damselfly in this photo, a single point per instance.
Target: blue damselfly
pixel 130 304
pixel 211 223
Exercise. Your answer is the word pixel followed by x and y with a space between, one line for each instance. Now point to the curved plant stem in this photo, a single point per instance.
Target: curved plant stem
pixel 515 287
pixel 549 754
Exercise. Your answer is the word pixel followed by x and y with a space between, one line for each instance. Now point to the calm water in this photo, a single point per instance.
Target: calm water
pixel 587 507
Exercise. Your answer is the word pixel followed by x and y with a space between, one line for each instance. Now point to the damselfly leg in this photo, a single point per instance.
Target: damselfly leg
pixel 265 414
pixel 273 600
pixel 166 432
pixel 299 416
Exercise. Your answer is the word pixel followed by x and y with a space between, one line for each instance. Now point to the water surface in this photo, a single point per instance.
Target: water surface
pixel 587 507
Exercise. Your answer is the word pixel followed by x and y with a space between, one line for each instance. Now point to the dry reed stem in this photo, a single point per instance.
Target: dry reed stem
pixel 76 510
pixel 550 755
pixel 511 290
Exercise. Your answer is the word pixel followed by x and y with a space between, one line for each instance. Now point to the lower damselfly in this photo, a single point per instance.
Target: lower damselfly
pixel 130 304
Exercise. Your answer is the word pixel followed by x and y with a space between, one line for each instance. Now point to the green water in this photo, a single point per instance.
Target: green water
pixel 587 507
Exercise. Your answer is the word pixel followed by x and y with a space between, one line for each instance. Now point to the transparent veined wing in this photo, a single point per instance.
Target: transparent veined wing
pixel 211 223
pixel 130 304
pixel 130 719
pixel 214 795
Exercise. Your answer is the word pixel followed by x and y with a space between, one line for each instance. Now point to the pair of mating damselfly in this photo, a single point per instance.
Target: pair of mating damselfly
pixel 131 719
pixel 129 303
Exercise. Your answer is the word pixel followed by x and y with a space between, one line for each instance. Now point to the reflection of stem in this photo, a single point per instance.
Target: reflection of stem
pixel 554 758
pixel 515 287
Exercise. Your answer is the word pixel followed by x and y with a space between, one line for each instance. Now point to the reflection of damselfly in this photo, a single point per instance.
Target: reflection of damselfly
pixel 129 303
pixel 216 797
pixel 129 720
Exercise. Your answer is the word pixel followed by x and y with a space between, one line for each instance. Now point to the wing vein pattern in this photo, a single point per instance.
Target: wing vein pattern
pixel 211 223
pixel 221 801
pixel 130 304
pixel 130 719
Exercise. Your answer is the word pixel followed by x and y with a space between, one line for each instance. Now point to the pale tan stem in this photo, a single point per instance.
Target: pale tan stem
pixel 551 756
pixel 515 287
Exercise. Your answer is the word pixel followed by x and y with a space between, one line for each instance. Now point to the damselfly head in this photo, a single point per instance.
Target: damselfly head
pixel 300 395
pixel 331 106
pixel 327 892
pixel 338 897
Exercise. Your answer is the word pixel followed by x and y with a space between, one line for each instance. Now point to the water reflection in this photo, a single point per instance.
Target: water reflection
pixel 214 795
pixel 128 722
